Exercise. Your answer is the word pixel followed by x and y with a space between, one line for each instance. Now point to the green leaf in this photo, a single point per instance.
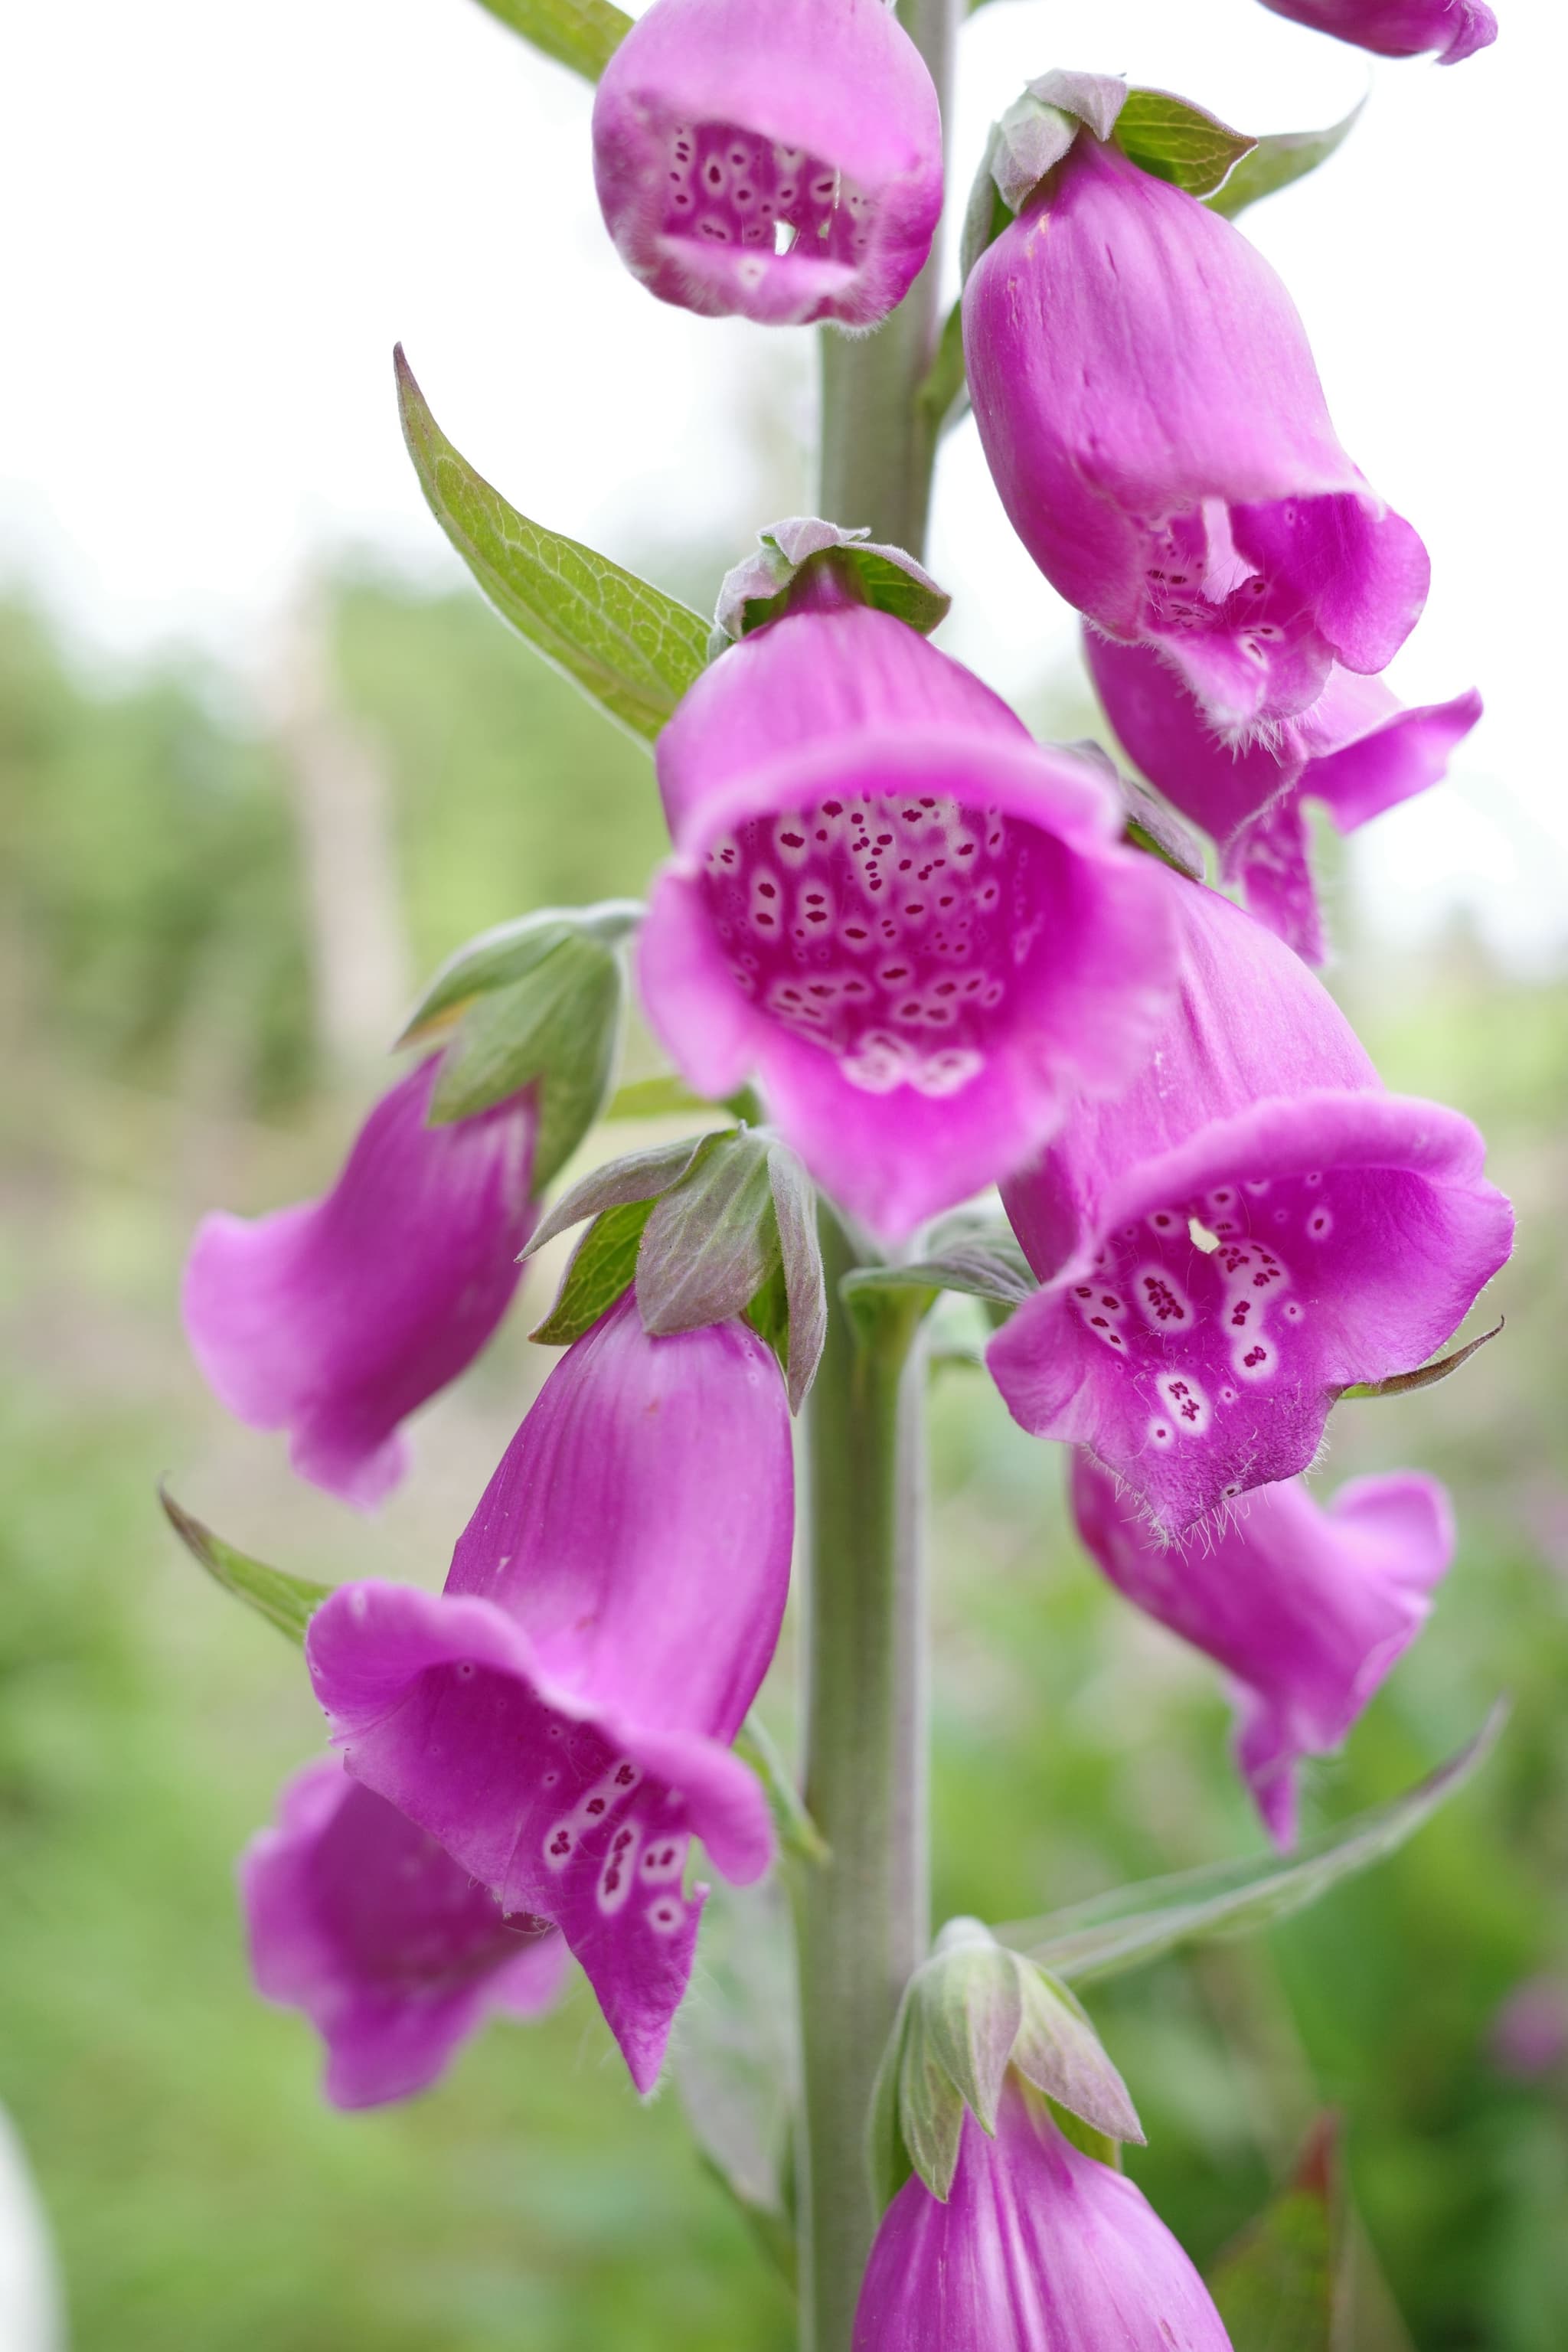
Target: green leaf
pixel 1274 161
pixel 604 1265
pixel 287 1602
pixel 943 392
pixel 638 1176
pixel 800 1271
pixel 1138 1924
pixel 559 1027
pixel 508 952
pixel 1274 2287
pixel 971 1252
pixel 735 2059
pixel 1174 141
pixel 1424 1377
pixel 711 1241
pixel 627 644
pixel 582 34
pixel 796 1832
pixel 666 1097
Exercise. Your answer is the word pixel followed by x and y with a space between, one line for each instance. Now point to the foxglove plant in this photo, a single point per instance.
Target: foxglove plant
pixel 899 952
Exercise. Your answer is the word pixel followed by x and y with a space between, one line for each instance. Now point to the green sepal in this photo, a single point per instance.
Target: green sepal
pixel 797 1834
pixel 736 2062
pixel 1059 2052
pixel 288 1603
pixel 627 644
pixel 1174 140
pixel 602 1267
pixel 558 1029
pixel 943 392
pixel 635 1176
pixel 509 952
pixel 1275 160
pixel 710 1242
pixel 1274 2286
pixel 1425 1377
pixel 1134 1925
pixel 973 1252
pixel 759 589
pixel 665 1096
pixel 1084 2137
pixel 582 34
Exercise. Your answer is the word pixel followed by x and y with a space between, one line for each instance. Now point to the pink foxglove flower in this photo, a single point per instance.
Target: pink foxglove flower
pixel 920 928
pixel 361 1919
pixel 1399 28
pixel 337 1318
pixel 560 1718
pixel 781 161
pixel 1153 421
pixel 1038 2248
pixel 1307 1608
pixel 1253 1225
pixel 1357 750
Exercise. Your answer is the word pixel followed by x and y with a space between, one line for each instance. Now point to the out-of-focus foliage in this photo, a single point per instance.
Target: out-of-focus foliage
pixel 156 1004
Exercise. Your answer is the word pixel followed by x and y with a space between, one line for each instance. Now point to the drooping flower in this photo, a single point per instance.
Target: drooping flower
pixel 559 1716
pixel 1308 1608
pixel 1357 749
pixel 1038 2248
pixel 1152 419
pixel 361 1919
pixel 1253 1225
pixel 1399 28
pixel 336 1318
pixel 783 162
pixel 916 926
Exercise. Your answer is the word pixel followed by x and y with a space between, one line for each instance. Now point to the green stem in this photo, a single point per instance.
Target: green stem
pixel 864 1914
pixel 878 438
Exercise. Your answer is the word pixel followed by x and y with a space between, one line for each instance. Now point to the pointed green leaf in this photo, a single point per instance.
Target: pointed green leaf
pixel 930 2107
pixel 627 644
pixel 800 1270
pixel 1274 2287
pixel 558 1027
pixel 1058 2051
pixel 1278 160
pixel 604 1265
pixel 287 1602
pixel 1174 141
pixel 973 1251
pixel 638 1176
pixel 713 1240
pixel 582 34
pixel 1424 1377
pixel 1138 1924
pixel 796 1832
pixel 508 952
pixel 972 2003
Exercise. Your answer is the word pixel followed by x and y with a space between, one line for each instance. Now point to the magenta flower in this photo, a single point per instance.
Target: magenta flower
pixel 560 1718
pixel 1308 1608
pixel 1399 28
pixel 1255 1225
pixel 1356 749
pixel 918 927
pixel 1037 2249
pixel 1152 419
pixel 360 1919
pixel 336 1318
pixel 783 162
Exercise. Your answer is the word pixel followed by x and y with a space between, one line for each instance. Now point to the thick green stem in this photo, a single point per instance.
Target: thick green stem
pixel 878 440
pixel 864 1914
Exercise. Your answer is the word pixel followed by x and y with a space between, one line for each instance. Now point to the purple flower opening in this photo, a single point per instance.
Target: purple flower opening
pixel 361 1919
pixel 1356 750
pixel 1038 2247
pixel 1253 1225
pixel 918 927
pixel 1308 1608
pixel 560 1718
pixel 784 163
pixel 337 1318
pixel 1155 426
pixel 1399 28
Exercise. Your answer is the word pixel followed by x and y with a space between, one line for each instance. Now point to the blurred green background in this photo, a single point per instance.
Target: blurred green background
pixel 208 924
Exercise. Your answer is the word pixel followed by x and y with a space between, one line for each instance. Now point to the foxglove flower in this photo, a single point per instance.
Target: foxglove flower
pixel 1038 2248
pixel 1356 749
pixel 1254 1224
pixel 1399 28
pixel 1307 1608
pixel 1152 419
pixel 920 928
pixel 560 1718
pixel 361 1919
pixel 336 1318
pixel 782 161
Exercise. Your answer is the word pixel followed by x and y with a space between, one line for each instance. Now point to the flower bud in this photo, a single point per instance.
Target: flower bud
pixel 778 158
pixel 1399 28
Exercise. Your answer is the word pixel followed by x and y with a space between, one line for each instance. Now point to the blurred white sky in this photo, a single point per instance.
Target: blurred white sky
pixel 220 219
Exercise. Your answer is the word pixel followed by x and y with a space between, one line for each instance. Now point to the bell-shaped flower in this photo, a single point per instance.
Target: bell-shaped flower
pixel 782 161
pixel 1152 419
pixel 1252 1226
pixel 334 1319
pixel 1307 1608
pixel 1037 2248
pixel 361 1919
pixel 918 927
pixel 1399 28
pixel 559 1716
pixel 1357 750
